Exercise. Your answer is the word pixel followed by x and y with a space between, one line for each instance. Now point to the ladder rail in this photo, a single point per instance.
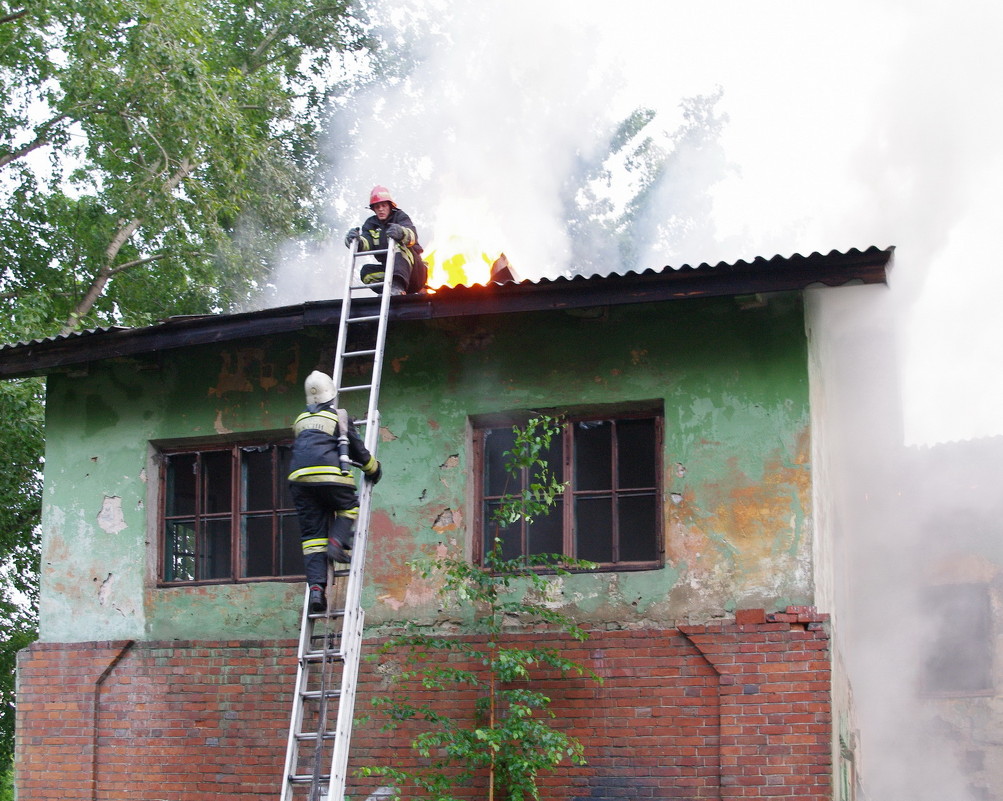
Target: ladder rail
pixel 302 668
pixel 352 621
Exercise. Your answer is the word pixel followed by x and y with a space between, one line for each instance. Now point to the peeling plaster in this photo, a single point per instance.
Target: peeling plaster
pixel 218 423
pixel 398 364
pixel 110 518
pixel 105 589
pixel 448 520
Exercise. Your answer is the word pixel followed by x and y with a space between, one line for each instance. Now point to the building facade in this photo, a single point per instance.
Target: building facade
pixel 171 581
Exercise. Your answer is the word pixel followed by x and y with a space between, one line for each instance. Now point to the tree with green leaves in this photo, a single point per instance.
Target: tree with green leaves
pixel 158 150
pixel 153 153
pixel 511 738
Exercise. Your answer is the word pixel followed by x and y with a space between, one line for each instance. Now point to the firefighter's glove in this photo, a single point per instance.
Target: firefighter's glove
pixel 395 232
pixel 351 236
pixel 377 474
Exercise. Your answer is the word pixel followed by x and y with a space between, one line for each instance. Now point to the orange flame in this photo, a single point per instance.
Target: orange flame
pixel 457 261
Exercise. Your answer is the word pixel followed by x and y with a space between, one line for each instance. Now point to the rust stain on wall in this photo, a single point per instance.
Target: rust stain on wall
pixel 398 363
pixel 747 523
pixel 246 369
pixel 393 547
pixel 232 374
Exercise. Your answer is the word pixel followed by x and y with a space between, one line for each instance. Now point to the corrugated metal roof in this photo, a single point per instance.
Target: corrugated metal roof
pixel 75 334
pixel 776 274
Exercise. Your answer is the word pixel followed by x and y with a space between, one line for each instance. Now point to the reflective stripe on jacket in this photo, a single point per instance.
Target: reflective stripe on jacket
pixel 315 455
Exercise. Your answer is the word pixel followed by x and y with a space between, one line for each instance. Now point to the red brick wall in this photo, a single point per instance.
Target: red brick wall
pixel 733 710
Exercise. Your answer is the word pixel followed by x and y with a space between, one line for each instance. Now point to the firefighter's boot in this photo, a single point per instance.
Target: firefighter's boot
pixel 337 552
pixel 340 536
pixel 318 602
pixel 315 567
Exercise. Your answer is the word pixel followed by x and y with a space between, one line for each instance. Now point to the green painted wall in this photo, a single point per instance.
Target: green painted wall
pixel 737 506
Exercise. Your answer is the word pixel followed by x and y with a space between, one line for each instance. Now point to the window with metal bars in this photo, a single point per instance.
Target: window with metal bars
pixel 610 512
pixel 226 514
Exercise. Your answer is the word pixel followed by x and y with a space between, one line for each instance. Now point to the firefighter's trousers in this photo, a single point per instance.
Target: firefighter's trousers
pixel 326 511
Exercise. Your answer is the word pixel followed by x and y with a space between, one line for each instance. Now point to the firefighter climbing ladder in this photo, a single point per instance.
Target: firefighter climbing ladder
pixel 320 727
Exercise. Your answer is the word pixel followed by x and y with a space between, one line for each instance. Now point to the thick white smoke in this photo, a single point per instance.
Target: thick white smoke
pixel 848 125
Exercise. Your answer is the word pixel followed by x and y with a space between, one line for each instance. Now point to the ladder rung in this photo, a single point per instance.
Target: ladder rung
pixel 368 318
pixel 331 613
pixel 306 778
pixel 317 656
pixel 356 388
pixel 311 736
pixel 371 352
pixel 333 638
pixel 361 254
pixel 316 695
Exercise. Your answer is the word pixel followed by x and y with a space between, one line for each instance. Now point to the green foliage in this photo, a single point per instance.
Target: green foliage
pixel 20 504
pixel 153 153
pixel 7 785
pixel 181 140
pixel 512 737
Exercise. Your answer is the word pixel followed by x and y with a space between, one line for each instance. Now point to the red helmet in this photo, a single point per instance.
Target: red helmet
pixel 379 195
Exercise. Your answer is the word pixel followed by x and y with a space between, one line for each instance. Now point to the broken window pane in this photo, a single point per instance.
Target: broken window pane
pixel 179 559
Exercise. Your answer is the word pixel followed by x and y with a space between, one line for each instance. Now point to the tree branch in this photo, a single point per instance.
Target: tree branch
pixel 40 140
pixel 121 268
pixel 16 15
pixel 109 269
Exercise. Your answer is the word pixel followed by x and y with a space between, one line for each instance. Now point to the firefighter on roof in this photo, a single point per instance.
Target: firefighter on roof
pixel 390 222
pixel 322 483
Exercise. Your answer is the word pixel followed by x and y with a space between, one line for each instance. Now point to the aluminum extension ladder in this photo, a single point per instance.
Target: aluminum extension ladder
pixel 320 728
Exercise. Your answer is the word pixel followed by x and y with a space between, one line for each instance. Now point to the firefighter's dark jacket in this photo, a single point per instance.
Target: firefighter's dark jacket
pixel 374 235
pixel 315 455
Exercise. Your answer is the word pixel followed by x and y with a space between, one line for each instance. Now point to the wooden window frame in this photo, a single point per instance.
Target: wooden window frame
pixel 280 516
pixel 652 410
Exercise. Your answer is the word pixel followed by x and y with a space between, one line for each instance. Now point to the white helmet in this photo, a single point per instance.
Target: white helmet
pixel 319 388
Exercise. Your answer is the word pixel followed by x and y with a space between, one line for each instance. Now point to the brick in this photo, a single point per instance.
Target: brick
pixel 747 617
pixel 683 713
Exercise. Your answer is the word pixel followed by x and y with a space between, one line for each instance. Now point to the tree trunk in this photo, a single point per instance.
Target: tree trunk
pixel 97 287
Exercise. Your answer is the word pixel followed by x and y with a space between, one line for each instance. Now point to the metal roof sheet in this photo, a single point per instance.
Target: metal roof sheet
pixel 761 275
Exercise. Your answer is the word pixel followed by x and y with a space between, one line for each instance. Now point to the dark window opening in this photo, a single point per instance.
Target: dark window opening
pixel 610 511
pixel 959 660
pixel 227 514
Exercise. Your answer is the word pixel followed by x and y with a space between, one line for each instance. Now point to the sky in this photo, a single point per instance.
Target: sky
pixel 847 126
